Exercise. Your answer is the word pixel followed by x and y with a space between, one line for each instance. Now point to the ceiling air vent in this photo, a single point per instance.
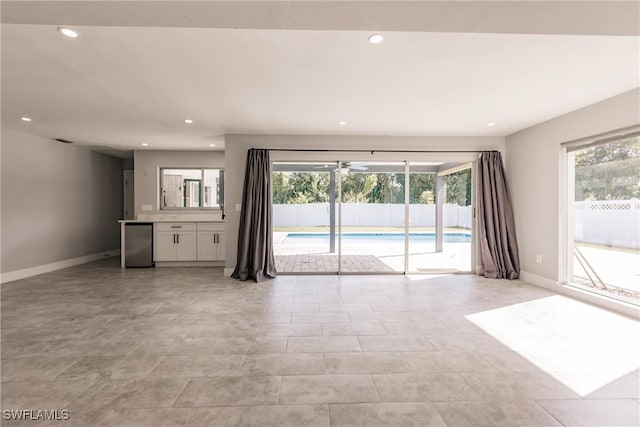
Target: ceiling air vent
pixel 64 141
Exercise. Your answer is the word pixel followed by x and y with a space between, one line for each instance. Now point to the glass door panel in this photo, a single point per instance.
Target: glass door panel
pixel 422 216
pixel 604 218
pixel 440 217
pixel 305 236
pixel 372 214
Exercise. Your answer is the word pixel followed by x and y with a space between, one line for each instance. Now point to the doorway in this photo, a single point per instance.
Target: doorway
pixel 372 213
pixel 305 235
pixel 372 217
pixel 128 205
pixel 440 217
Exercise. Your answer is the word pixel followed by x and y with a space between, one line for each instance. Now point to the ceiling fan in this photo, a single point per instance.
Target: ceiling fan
pixel 346 166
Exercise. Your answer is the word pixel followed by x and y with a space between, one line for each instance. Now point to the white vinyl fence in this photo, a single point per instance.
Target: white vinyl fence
pixel 613 223
pixel 609 222
pixel 370 215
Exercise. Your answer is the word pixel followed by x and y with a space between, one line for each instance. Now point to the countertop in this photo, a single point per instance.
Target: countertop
pixel 151 221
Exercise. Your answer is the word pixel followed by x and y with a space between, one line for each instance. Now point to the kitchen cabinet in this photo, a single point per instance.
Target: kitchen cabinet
pixel 210 241
pixel 176 242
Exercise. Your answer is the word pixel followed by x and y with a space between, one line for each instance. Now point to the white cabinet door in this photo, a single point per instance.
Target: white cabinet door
pixel 207 247
pixel 186 246
pixel 181 242
pixel 221 249
pixel 211 246
pixel 165 246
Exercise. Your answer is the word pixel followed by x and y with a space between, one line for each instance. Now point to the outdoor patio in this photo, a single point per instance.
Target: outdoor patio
pixel 616 268
pixel 322 263
pixel 313 256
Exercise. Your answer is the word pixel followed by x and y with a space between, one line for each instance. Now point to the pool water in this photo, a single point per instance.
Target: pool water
pixel 378 237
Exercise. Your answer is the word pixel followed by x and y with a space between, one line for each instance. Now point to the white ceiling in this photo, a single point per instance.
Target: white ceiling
pixel 122 86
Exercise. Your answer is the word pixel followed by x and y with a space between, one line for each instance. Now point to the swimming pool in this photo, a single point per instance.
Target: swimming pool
pixel 378 237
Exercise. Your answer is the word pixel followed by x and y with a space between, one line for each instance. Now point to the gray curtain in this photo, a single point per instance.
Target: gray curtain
pixel 497 231
pixel 255 240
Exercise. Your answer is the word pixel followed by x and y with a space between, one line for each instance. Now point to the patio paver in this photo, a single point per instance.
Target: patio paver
pixel 315 263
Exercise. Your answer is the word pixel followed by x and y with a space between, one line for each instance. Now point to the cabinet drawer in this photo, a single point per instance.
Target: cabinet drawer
pixel 210 226
pixel 175 226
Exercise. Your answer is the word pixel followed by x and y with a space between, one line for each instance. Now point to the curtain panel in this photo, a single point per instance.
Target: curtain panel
pixel 255 238
pixel 496 231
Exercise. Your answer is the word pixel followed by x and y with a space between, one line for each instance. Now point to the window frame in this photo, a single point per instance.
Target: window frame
pixel 219 194
pixel 566 216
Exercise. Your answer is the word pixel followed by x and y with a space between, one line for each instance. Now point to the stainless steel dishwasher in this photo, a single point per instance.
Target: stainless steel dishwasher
pixel 138 245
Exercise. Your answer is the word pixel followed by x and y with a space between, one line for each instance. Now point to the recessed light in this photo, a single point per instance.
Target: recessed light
pixel 212 145
pixel 25 119
pixel 144 144
pixel 68 32
pixel 376 38
pixel 342 123
pixel 491 124
pixel 189 121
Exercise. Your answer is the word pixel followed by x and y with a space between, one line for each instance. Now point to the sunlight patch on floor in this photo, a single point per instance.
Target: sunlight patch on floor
pixel 582 346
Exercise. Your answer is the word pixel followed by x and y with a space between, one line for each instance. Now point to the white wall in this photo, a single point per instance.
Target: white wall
pixel 236 147
pixel 533 173
pixel 147 164
pixel 59 201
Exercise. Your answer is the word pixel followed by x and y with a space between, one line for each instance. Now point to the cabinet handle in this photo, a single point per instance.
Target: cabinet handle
pixel 174 238
pixel 178 236
pixel 216 238
pixel 176 226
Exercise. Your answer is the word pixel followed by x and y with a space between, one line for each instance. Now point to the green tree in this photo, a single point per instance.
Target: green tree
pixel 459 187
pixel 369 187
pixel 356 186
pixel 280 187
pixel 427 198
pixel 608 171
pixel 422 188
pixel 389 188
pixel 300 187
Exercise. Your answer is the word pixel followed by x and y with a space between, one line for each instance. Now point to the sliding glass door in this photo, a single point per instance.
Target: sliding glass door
pixel 305 217
pixel 372 214
pixel 381 217
pixel 603 218
pixel 440 217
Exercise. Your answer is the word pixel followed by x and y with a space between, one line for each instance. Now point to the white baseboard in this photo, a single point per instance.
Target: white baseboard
pixel 161 264
pixel 585 295
pixel 58 265
pixel 543 282
pixel 228 271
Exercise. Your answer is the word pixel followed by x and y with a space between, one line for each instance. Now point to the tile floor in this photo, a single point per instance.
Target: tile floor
pixel 187 346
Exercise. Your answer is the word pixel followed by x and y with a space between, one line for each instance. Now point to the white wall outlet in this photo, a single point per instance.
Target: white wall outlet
pixel 238 207
pixel 146 208
pixel 538 259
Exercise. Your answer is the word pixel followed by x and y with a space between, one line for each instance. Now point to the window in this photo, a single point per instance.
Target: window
pixel 603 216
pixel 191 188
